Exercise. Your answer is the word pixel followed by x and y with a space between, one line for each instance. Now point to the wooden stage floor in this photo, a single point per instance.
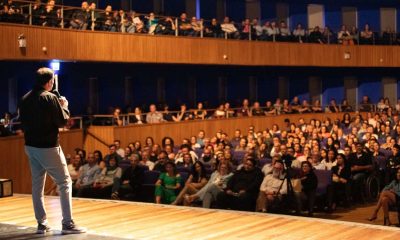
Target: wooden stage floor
pixel 118 219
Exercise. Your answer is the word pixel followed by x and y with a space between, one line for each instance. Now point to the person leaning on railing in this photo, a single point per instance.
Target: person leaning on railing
pixel 80 17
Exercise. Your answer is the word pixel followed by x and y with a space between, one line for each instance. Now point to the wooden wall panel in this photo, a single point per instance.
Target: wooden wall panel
pixel 96 133
pixel 141 48
pixel 14 163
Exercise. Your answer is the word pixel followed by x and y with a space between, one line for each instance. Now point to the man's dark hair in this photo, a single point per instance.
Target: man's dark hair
pixel 43 75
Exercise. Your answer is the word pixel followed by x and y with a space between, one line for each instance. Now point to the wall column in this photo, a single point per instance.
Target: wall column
pixel 253 9
pixel 253 96
pixel 93 96
pixel 160 89
pixel 351 91
pixel 283 88
pixel 315 89
pixel 389 89
pixel 192 91
pixel 12 95
pixel 222 91
pixel 220 9
pixel 128 98
pixel 190 8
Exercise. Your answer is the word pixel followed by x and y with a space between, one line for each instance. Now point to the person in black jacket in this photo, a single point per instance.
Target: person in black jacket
pixel 242 189
pixel 341 176
pixel 309 183
pixel 131 181
pixel 42 113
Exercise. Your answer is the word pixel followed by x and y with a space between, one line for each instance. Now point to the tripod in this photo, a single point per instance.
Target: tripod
pixel 290 198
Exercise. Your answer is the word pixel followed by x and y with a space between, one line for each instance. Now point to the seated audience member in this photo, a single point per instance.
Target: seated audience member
pixel 345 107
pixel 130 184
pixel 206 157
pixel 138 117
pixel 185 149
pixel 366 36
pixel 246 29
pixel 154 116
pixel 229 29
pixel 304 107
pixel 344 36
pixel 87 175
pixel 229 112
pixel 328 36
pixel 184 25
pixel 167 184
pixel 309 183
pixel 197 27
pixel 220 112
pixel 242 189
pixel 165 26
pixel 258 30
pixel 166 114
pixel 316 36
pixel 214 29
pixel 199 113
pixel 216 184
pixel 393 164
pixel 80 18
pixel 112 153
pixel 256 110
pixel 390 196
pixel 315 161
pixel 388 37
pixel 341 175
pixel 187 162
pixel 271 30
pixel 73 168
pixel 286 107
pixel 244 110
pixel 284 32
pixel 116 118
pixel 106 20
pixel 146 160
pixel 295 104
pixel 49 15
pixel 333 107
pixel 365 105
pixel 299 34
pixel 354 35
pixel 317 108
pixel 161 160
pixel 269 109
pixel 330 159
pixel 272 188
pixel 361 166
pixel 194 183
pixel 182 115
pixel 107 181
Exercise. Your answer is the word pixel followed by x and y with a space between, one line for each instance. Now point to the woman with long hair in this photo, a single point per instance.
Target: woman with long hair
pixel 194 183
pixel 389 196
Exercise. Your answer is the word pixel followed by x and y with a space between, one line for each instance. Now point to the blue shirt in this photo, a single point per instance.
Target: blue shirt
pixel 395 186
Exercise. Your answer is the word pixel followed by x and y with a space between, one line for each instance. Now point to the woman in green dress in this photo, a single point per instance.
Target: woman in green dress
pixel 167 184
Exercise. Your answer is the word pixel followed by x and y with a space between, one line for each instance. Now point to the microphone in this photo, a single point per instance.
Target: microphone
pixel 55 92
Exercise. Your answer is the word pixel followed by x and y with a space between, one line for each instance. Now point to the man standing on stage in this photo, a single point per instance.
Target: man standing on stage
pixel 42 114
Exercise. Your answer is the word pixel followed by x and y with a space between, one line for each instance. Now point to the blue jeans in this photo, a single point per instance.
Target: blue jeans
pixel 51 161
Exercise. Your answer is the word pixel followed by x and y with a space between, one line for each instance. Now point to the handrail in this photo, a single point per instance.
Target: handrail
pixel 61 20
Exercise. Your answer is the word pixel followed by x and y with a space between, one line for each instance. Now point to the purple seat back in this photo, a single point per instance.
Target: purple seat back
pixel 264 161
pixel 324 180
pixel 184 176
pixel 150 177
pixel 380 162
